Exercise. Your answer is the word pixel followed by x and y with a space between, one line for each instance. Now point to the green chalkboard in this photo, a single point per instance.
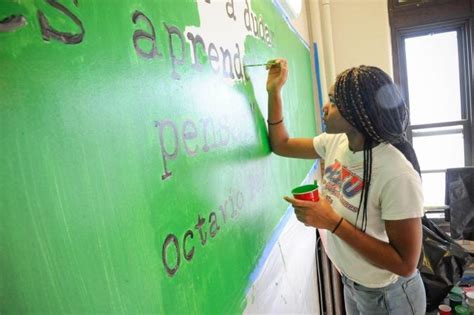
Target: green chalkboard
pixel 136 174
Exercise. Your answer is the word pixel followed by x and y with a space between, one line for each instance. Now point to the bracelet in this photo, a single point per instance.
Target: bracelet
pixel 275 123
pixel 337 225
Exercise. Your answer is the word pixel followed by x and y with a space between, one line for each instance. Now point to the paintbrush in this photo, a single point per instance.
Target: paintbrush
pixel 268 64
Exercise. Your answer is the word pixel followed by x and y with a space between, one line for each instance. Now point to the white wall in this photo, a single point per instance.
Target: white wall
pixel 351 33
pixel 301 22
pixel 361 34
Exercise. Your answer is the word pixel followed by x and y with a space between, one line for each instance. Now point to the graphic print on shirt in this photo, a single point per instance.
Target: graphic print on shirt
pixel 342 184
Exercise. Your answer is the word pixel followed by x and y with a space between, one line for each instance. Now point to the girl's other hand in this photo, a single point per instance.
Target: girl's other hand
pixel 317 214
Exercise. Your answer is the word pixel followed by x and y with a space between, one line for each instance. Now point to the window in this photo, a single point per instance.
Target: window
pixel 432 66
pixel 433 83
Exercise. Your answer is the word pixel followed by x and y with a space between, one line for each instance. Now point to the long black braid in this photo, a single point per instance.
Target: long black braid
pixel 369 100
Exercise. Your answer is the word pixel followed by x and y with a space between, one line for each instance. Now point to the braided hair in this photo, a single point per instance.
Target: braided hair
pixel 369 100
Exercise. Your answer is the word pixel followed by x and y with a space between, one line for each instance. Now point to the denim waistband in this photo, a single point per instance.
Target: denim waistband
pixel 397 283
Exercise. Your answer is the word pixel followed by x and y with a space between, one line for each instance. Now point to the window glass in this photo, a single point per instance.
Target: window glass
pixel 439 151
pixel 433 78
pixel 434 188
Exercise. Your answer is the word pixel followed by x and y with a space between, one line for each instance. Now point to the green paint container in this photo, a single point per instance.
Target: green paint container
pixel 454 300
pixel 461 310
pixel 457 290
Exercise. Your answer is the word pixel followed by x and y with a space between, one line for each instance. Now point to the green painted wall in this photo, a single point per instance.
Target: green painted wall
pixel 111 145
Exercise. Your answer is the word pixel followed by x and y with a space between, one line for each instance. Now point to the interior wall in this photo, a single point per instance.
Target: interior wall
pixel 301 22
pixel 350 33
pixel 136 170
pixel 303 25
pixel 361 34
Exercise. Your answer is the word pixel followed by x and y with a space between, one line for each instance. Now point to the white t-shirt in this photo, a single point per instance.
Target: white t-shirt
pixel 395 193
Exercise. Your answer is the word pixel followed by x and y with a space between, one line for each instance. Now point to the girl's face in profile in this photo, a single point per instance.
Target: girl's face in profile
pixel 333 119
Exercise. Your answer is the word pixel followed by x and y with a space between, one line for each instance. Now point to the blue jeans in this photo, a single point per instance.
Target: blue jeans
pixel 405 296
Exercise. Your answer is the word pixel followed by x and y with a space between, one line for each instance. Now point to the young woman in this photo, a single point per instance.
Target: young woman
pixel 372 200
